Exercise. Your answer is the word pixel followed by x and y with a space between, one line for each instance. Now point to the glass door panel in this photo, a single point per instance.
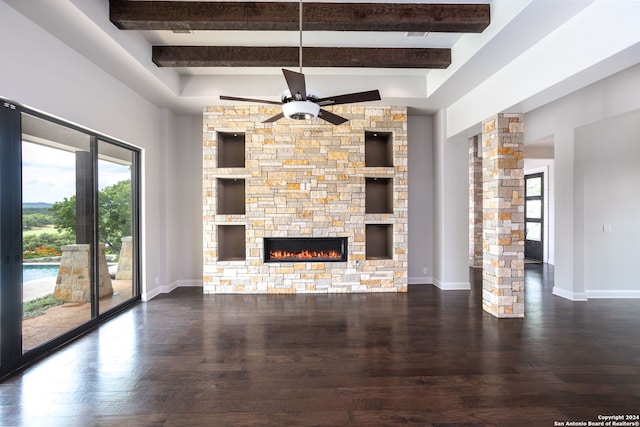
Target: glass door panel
pixel 534 209
pixel 534 231
pixel 534 185
pixel 115 224
pixel 57 182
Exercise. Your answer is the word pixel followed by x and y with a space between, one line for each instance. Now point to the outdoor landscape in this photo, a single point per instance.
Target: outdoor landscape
pixel 47 228
pixel 41 244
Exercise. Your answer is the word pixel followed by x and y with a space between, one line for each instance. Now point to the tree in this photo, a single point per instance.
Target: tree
pixel 114 214
pixel 32 220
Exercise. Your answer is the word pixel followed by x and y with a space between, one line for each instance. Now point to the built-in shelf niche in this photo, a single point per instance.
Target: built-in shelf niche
pixel 231 196
pixel 378 149
pixel 379 241
pixel 378 195
pixel 231 149
pixel 231 243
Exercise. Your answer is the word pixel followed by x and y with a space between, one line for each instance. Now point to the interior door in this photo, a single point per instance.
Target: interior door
pixel 534 217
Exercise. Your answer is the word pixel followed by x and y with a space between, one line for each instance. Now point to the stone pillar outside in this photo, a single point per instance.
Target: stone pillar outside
pixel 125 260
pixel 475 203
pixel 73 283
pixel 503 214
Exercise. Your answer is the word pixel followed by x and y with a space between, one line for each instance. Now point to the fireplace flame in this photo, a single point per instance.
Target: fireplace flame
pixel 305 254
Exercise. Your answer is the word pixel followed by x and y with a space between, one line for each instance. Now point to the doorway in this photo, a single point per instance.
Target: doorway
pixel 534 217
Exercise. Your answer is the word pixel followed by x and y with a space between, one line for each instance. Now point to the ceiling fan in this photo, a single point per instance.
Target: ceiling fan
pixel 298 104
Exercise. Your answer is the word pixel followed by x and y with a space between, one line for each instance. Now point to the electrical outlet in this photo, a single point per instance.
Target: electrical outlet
pixel 425 270
pixel 606 228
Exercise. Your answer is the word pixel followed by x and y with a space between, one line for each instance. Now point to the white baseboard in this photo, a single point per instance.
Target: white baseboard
pixel 147 296
pixel 183 283
pixel 452 286
pixel 572 296
pixel 421 280
pixel 165 289
pixel 613 294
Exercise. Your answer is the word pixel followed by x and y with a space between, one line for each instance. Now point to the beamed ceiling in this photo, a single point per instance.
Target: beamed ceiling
pixel 504 55
pixel 196 16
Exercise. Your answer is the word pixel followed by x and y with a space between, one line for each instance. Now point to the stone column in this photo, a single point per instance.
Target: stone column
pixel 503 214
pixel 73 283
pixel 475 203
pixel 125 264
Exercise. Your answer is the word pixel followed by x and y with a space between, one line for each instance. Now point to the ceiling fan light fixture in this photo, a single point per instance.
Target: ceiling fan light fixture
pixel 300 110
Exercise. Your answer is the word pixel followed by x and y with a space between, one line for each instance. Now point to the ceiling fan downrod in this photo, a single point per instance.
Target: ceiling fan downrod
pixel 300 30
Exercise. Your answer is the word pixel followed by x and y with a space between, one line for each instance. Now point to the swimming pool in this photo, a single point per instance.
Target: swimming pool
pixel 38 271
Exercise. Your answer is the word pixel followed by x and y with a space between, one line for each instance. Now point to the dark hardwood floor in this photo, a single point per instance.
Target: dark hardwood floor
pixel 423 358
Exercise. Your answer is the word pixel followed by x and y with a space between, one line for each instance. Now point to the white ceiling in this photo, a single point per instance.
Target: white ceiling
pixel 516 26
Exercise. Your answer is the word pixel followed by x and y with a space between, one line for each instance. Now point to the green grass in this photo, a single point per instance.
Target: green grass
pixel 40 230
pixel 38 306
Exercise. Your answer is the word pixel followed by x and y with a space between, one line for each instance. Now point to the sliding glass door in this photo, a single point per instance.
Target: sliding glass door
pixel 68 230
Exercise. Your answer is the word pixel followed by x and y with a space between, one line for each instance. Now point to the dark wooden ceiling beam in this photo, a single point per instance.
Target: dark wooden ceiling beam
pixel 270 16
pixel 234 56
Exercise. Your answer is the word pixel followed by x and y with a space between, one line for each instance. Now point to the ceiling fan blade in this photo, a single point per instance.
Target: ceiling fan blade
pixel 370 95
pixel 296 84
pixel 274 118
pixel 331 118
pixel 261 101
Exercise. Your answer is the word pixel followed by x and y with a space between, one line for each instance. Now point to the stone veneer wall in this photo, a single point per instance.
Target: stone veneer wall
pixel 305 178
pixel 503 213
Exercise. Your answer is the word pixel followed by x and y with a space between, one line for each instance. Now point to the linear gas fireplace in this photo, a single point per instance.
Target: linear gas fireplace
pixel 305 249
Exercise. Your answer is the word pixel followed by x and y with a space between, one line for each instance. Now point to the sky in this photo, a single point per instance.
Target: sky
pixel 48 174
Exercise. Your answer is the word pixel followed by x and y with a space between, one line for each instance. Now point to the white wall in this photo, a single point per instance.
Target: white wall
pixel 608 181
pixel 451 208
pixel 569 121
pixel 420 149
pixel 41 72
pixel 184 203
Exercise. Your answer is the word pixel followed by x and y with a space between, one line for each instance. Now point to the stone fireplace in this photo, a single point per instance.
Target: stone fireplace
pixel 337 188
